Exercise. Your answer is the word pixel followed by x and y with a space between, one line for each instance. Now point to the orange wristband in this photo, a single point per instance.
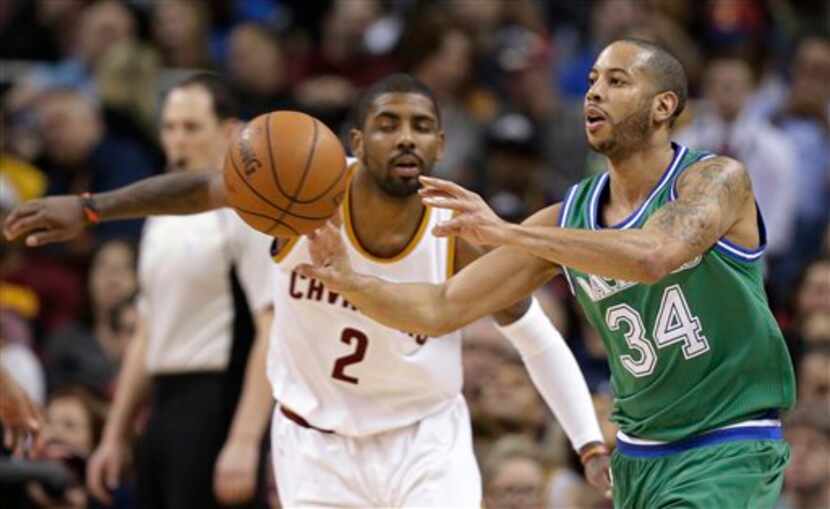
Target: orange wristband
pixel 90 210
pixel 594 450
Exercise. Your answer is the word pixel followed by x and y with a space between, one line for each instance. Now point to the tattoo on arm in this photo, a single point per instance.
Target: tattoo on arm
pixel 709 203
pixel 180 193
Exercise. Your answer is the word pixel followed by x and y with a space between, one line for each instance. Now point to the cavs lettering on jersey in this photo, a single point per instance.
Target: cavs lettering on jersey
pixel 343 371
pixel 695 351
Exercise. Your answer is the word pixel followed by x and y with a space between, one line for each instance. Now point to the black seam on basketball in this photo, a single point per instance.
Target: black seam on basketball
pixel 274 172
pixel 328 189
pixel 277 222
pixel 308 161
pixel 283 211
pixel 305 170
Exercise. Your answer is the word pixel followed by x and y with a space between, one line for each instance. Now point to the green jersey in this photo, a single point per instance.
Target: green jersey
pixel 697 350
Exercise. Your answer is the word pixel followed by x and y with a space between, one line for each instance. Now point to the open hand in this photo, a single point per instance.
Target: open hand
pixel 598 473
pixel 47 220
pixel 235 473
pixel 329 259
pixel 473 220
pixel 103 472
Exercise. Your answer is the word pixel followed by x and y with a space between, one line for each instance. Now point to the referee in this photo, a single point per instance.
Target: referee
pixel 193 350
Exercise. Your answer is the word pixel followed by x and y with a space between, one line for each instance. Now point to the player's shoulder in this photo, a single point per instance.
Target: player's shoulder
pixel 715 170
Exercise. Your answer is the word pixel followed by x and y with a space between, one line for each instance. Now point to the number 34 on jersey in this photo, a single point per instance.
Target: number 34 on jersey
pixel 675 323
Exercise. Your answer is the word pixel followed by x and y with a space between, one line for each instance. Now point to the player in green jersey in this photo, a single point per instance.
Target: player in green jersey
pixel 662 252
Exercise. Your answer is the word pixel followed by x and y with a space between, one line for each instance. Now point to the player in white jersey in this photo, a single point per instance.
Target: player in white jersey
pixel 368 416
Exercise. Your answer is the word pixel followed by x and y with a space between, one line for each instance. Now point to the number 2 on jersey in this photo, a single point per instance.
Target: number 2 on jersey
pixel 675 324
pixel 349 336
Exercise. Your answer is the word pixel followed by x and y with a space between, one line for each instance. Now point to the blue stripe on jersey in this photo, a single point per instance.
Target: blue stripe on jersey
pixel 679 153
pixel 724 246
pixel 563 218
pixel 712 438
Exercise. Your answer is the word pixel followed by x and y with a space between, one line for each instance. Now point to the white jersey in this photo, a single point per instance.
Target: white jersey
pixel 345 372
pixel 186 298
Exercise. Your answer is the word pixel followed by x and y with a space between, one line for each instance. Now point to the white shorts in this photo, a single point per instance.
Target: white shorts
pixel 428 464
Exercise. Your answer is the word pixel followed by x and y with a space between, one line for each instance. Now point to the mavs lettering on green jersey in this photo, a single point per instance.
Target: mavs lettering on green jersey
pixel 699 349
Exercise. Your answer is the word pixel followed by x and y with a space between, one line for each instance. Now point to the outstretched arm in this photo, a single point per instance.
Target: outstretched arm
pixel 493 282
pixel 714 196
pixel 60 218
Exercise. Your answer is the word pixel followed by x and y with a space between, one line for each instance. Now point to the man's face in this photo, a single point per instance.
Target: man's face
pixel 67 423
pixel 192 135
pixel 728 84
pixel 618 104
pixel 519 483
pixel 810 75
pixel 401 139
pixel 71 127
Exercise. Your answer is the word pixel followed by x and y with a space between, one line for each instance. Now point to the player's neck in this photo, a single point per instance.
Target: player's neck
pixel 635 174
pixel 383 224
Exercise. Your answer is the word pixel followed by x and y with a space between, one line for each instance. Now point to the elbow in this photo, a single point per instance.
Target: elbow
pixel 654 266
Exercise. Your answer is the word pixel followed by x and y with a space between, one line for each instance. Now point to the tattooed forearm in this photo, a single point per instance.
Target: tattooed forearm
pixel 180 193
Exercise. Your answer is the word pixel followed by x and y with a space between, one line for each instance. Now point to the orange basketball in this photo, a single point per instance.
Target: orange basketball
pixel 285 173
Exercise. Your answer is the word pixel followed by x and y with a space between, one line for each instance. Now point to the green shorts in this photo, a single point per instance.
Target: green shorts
pixel 738 474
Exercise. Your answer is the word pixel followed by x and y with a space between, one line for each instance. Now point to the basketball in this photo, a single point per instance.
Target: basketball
pixel 285 173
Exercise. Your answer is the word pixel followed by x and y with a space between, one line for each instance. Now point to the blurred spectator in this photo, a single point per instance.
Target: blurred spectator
pixel 38 29
pixel 814 377
pixel 803 115
pixel 806 480
pixel 127 80
pixel 440 55
pixel 722 126
pixel 74 419
pixel 484 351
pixel 525 60
pixel 609 20
pixel 257 71
pixel 102 25
pixel 811 299
pixel 513 169
pixel 90 354
pixel 813 296
pixel 592 357
pixel 180 31
pixel 330 76
pixel 513 475
pixel 79 153
pixel 17 357
pixel 35 287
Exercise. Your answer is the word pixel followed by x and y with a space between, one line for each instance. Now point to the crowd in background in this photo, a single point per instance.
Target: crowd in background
pixel 80 88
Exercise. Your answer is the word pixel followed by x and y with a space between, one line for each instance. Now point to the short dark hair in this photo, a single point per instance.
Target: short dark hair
pixel 668 72
pixel 225 105
pixel 395 83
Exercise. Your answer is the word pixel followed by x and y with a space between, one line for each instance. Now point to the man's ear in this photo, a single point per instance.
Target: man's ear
pixel 440 152
pixel 663 106
pixel 356 141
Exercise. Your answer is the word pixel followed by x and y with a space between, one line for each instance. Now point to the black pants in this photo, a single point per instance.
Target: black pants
pixel 190 420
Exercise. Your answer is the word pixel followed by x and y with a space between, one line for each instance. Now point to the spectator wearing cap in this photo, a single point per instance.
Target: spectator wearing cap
pixel 524 59
pixel 513 168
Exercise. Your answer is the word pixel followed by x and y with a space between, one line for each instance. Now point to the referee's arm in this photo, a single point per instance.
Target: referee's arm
pixel 235 474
